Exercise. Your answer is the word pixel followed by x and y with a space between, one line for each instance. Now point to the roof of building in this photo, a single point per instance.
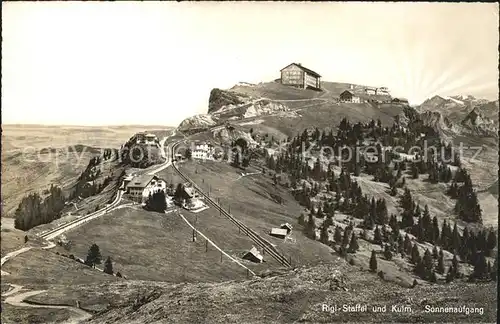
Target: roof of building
pixel 253 251
pixel 370 88
pixel 348 91
pixel 286 225
pixel 141 181
pixel 189 191
pixel 279 231
pixel 303 68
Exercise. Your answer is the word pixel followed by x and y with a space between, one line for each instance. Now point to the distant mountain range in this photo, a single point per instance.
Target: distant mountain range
pixel 463 113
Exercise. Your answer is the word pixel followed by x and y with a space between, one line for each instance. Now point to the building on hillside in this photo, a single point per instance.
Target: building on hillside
pixel 139 138
pixel 403 101
pixel 145 138
pixel 126 181
pixel 253 255
pixel 374 98
pixel 383 91
pixel 202 150
pixel 299 76
pixel 190 192
pixel 349 96
pixel 137 187
pixel 287 226
pixel 278 232
pixel 370 90
pixel 151 139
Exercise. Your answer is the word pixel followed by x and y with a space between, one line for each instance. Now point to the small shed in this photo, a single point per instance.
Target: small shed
pixel 287 226
pixel 278 232
pixel 253 255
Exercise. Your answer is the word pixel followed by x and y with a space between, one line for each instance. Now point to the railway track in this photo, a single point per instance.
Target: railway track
pixel 50 234
pixel 265 245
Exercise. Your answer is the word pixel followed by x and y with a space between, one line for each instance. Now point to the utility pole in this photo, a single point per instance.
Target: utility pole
pixel 206 246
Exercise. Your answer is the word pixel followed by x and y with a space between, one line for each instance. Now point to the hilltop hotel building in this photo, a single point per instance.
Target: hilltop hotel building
pixel 301 77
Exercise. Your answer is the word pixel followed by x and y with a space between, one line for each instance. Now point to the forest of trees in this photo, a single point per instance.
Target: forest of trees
pixel 33 210
pixel 307 181
pixel 240 153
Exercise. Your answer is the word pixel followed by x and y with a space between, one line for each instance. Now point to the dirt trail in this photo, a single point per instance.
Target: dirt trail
pixel 15 298
pixel 18 300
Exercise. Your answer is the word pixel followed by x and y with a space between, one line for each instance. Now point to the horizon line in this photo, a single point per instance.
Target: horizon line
pixel 82 125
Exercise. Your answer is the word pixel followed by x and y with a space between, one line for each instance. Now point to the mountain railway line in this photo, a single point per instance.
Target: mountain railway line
pixel 265 245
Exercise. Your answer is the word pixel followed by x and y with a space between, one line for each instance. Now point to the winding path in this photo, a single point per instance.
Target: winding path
pixel 18 300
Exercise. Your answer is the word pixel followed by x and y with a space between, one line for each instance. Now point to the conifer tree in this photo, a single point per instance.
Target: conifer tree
pixel 108 266
pixel 93 256
pixel 491 242
pixel 387 253
pixel 345 237
pixel 455 239
pixel 440 265
pixel 311 227
pixel 337 235
pixel 373 262
pixel 415 254
pixel 407 245
pixel 454 264
pixel 435 253
pixel 353 245
pixel 494 270
pixel 480 268
pixel 377 236
pixel 324 234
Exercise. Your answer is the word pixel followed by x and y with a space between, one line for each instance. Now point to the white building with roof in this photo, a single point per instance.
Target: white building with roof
pixel 140 187
pixel 202 150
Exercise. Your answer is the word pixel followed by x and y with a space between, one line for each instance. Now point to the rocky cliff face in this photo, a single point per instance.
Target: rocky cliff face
pixel 221 98
pixel 477 122
pixel 461 114
pixel 197 122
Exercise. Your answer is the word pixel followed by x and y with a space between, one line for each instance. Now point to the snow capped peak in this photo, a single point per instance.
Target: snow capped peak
pixel 454 100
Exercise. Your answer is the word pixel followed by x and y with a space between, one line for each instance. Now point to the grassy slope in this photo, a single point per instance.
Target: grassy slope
pixel 330 115
pixel 42 269
pixel 253 200
pixel 276 91
pixel 294 296
pixel 152 246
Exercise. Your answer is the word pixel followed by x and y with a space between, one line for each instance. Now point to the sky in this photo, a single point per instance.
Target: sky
pixel 154 63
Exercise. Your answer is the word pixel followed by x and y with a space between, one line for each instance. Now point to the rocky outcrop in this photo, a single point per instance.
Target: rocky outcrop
pixel 264 107
pixel 226 135
pixel 197 122
pixel 220 98
pixel 477 122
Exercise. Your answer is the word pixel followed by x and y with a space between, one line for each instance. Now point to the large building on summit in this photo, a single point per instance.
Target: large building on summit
pixel 299 76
